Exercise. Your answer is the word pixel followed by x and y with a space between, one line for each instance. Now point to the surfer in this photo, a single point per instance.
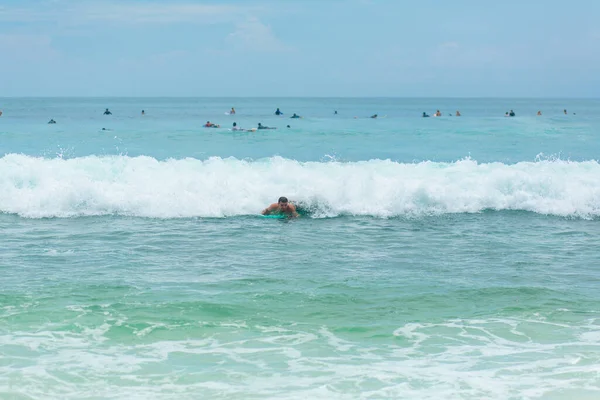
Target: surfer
pixel 209 124
pixel 52 121
pixel 261 126
pixel 107 112
pixel 511 113
pixel 283 206
pixel 236 128
pixel 232 112
pixel 295 116
pixel 278 112
pixel 425 115
pixel 143 112
pixel 374 116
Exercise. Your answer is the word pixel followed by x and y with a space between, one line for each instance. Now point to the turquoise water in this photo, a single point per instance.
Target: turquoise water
pixel 446 257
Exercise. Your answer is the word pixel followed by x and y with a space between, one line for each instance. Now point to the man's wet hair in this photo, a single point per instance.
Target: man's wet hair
pixel 282 199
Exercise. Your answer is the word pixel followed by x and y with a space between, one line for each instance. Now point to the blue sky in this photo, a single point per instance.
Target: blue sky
pixel 300 48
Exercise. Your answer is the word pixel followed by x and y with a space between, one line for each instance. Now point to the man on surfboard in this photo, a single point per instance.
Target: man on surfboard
pixel 283 206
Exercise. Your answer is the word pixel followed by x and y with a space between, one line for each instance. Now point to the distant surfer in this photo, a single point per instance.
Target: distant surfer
pixel 565 111
pixel 458 113
pixel 0 113
pixel 278 112
pixel 335 112
pixel 236 128
pixel 539 112
pixel 107 112
pixel 232 112
pixel 374 116
pixel 209 124
pixel 261 126
pixel 282 207
pixel 511 113
pixel 425 115
pixel 143 112
pixel 295 116
pixel 52 121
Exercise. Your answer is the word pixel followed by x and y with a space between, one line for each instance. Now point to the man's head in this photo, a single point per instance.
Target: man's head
pixel 283 203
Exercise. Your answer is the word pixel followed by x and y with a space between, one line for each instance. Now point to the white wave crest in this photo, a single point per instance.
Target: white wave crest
pixel 143 186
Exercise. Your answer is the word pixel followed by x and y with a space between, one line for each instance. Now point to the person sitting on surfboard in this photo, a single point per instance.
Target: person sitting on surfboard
pixel 232 112
pixel 277 112
pixel 283 206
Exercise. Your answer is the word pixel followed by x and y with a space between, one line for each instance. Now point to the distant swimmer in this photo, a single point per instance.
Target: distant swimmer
pixel 374 116
pixel 511 113
pixel 278 112
pixel 261 126
pixel 232 112
pixel 425 115
pixel 539 112
pixel 107 112
pixel 335 112
pixel 458 113
pixel 506 114
pixel 295 116
pixel 289 126
pixel 143 112
pixel 437 114
pixel 565 111
pixel 0 113
pixel 52 121
pixel 236 128
pixel 209 124
pixel 282 207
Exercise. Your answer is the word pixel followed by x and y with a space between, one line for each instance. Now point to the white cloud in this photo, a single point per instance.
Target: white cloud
pixel 453 55
pixel 125 12
pixel 254 35
pixel 17 46
pixel 449 45
pixel 161 13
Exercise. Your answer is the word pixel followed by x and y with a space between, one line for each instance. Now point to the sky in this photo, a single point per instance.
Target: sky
pixel 320 48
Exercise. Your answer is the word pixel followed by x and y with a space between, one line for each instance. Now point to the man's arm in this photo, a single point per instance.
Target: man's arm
pixel 269 209
pixel 294 212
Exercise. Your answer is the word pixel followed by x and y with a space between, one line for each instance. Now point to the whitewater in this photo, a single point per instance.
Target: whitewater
pixel 36 187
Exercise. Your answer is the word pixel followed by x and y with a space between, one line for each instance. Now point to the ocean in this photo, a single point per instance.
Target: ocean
pixel 440 258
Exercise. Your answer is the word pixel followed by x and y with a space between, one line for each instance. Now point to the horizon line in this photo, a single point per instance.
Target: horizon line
pixel 298 97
